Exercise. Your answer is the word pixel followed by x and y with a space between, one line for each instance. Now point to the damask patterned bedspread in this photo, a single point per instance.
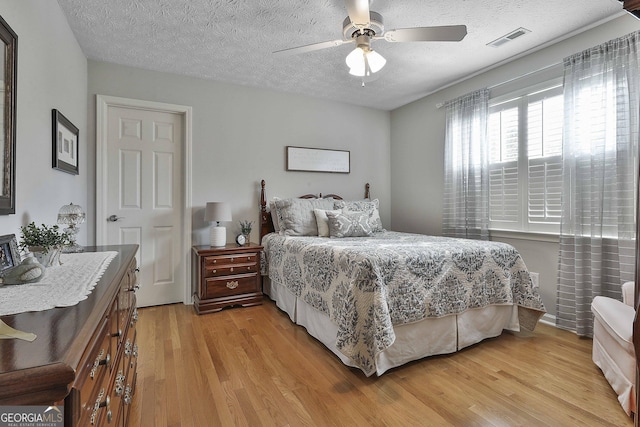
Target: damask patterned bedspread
pixel 365 285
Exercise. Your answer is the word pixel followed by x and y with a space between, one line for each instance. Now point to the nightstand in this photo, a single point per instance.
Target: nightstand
pixel 225 276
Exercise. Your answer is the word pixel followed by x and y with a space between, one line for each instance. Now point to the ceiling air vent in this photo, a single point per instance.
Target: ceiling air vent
pixel 509 37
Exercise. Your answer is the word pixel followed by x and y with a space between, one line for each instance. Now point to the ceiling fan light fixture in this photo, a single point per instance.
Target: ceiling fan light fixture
pixel 364 62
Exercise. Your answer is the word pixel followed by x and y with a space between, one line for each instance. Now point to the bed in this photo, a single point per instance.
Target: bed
pixel 379 299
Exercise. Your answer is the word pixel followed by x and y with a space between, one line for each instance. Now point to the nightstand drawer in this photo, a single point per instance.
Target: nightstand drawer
pixel 231 285
pixel 230 259
pixel 226 270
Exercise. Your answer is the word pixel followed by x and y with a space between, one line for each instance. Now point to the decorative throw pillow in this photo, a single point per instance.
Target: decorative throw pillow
pixel 369 206
pixel 323 221
pixel 296 217
pixel 352 224
pixel 275 215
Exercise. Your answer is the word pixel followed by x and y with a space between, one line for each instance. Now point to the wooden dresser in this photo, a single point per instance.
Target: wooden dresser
pixel 85 356
pixel 225 276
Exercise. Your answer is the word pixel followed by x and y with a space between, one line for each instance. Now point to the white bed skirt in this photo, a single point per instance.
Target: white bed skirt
pixel 413 341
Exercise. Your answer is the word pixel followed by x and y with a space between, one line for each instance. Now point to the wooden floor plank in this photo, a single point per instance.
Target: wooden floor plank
pixel 254 367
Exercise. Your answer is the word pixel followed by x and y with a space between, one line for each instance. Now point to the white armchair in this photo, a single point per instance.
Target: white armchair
pixel 613 350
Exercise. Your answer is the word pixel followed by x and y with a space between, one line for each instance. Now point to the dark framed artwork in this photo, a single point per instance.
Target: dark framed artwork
pixel 9 64
pixel 318 160
pixel 9 254
pixel 65 144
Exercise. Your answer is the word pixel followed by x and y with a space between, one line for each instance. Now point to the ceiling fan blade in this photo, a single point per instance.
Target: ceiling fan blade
pixel 447 33
pixel 358 11
pixel 310 47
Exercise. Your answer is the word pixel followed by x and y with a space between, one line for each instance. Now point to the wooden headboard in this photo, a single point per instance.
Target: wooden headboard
pixel 266 224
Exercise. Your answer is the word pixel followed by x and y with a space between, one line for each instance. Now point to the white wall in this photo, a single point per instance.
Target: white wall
pixel 240 134
pixel 52 73
pixel 417 150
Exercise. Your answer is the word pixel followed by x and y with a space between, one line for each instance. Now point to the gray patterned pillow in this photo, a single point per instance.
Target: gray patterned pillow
pixel 369 206
pixel 352 224
pixel 296 217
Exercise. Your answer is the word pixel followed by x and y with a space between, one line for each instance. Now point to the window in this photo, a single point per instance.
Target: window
pixel 525 160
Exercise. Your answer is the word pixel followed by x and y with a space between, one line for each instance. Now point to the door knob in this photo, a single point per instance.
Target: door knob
pixel 114 218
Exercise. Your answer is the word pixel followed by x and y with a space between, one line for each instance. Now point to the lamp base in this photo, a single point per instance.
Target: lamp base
pixel 218 236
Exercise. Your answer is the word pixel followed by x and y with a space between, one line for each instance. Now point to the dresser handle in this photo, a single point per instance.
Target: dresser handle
pixel 117 334
pixel 232 285
pixel 127 348
pixel 99 404
pixel 134 318
pixel 99 361
pixel 214 271
pixel 127 395
pixel 135 350
pixel 119 387
pixel 231 270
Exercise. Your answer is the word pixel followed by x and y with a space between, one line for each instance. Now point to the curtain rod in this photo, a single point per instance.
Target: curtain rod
pixel 530 73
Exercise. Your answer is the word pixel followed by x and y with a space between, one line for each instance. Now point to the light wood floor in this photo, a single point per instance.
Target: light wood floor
pixel 253 367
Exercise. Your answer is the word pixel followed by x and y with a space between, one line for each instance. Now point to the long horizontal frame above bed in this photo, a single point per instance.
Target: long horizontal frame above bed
pixel 266 223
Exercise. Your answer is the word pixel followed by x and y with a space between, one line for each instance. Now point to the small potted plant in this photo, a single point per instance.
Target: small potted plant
pixel 45 242
pixel 245 229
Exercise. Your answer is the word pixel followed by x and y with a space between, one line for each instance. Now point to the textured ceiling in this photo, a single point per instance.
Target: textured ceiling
pixel 232 41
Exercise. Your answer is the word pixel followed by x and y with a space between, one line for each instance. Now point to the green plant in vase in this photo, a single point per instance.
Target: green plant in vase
pixel 45 242
pixel 245 229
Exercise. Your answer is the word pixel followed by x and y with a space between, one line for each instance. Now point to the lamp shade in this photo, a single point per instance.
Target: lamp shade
pixel 217 211
pixel 71 214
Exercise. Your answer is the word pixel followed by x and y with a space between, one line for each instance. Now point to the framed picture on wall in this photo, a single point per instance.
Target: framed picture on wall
pixel 65 144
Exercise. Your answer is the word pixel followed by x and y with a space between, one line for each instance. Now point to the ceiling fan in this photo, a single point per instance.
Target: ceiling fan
pixel 363 25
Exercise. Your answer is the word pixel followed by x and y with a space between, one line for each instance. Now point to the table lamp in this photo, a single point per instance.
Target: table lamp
pixel 217 212
pixel 71 215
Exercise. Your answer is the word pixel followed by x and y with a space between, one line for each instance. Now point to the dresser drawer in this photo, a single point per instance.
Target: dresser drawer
pixel 231 285
pixel 93 380
pixel 230 259
pixel 227 270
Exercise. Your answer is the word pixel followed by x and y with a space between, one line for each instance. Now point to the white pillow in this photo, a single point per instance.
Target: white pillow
pixel 323 221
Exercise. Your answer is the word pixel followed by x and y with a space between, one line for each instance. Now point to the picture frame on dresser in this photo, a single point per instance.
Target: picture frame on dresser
pixel 65 143
pixel 9 253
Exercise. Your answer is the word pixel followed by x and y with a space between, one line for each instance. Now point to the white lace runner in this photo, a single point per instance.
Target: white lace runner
pixel 62 286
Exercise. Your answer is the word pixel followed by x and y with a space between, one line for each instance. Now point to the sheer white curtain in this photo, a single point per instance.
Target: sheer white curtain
pixel 600 163
pixel 466 179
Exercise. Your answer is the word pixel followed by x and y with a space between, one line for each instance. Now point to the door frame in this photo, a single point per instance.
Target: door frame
pixel 103 102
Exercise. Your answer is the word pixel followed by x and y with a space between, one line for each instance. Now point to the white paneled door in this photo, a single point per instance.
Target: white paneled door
pixel 143 196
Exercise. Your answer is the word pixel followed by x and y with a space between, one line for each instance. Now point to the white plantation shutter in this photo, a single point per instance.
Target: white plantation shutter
pixel 544 159
pixel 525 152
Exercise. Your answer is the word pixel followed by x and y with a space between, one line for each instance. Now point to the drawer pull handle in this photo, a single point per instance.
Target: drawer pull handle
pixel 231 270
pixel 215 261
pixel 134 317
pixel 232 259
pixel 135 350
pixel 127 395
pixel 99 361
pixel 117 334
pixel 127 348
pixel 214 271
pixel 99 404
pixel 106 361
pixel 249 268
pixel 233 284
pixel 248 258
pixel 120 379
